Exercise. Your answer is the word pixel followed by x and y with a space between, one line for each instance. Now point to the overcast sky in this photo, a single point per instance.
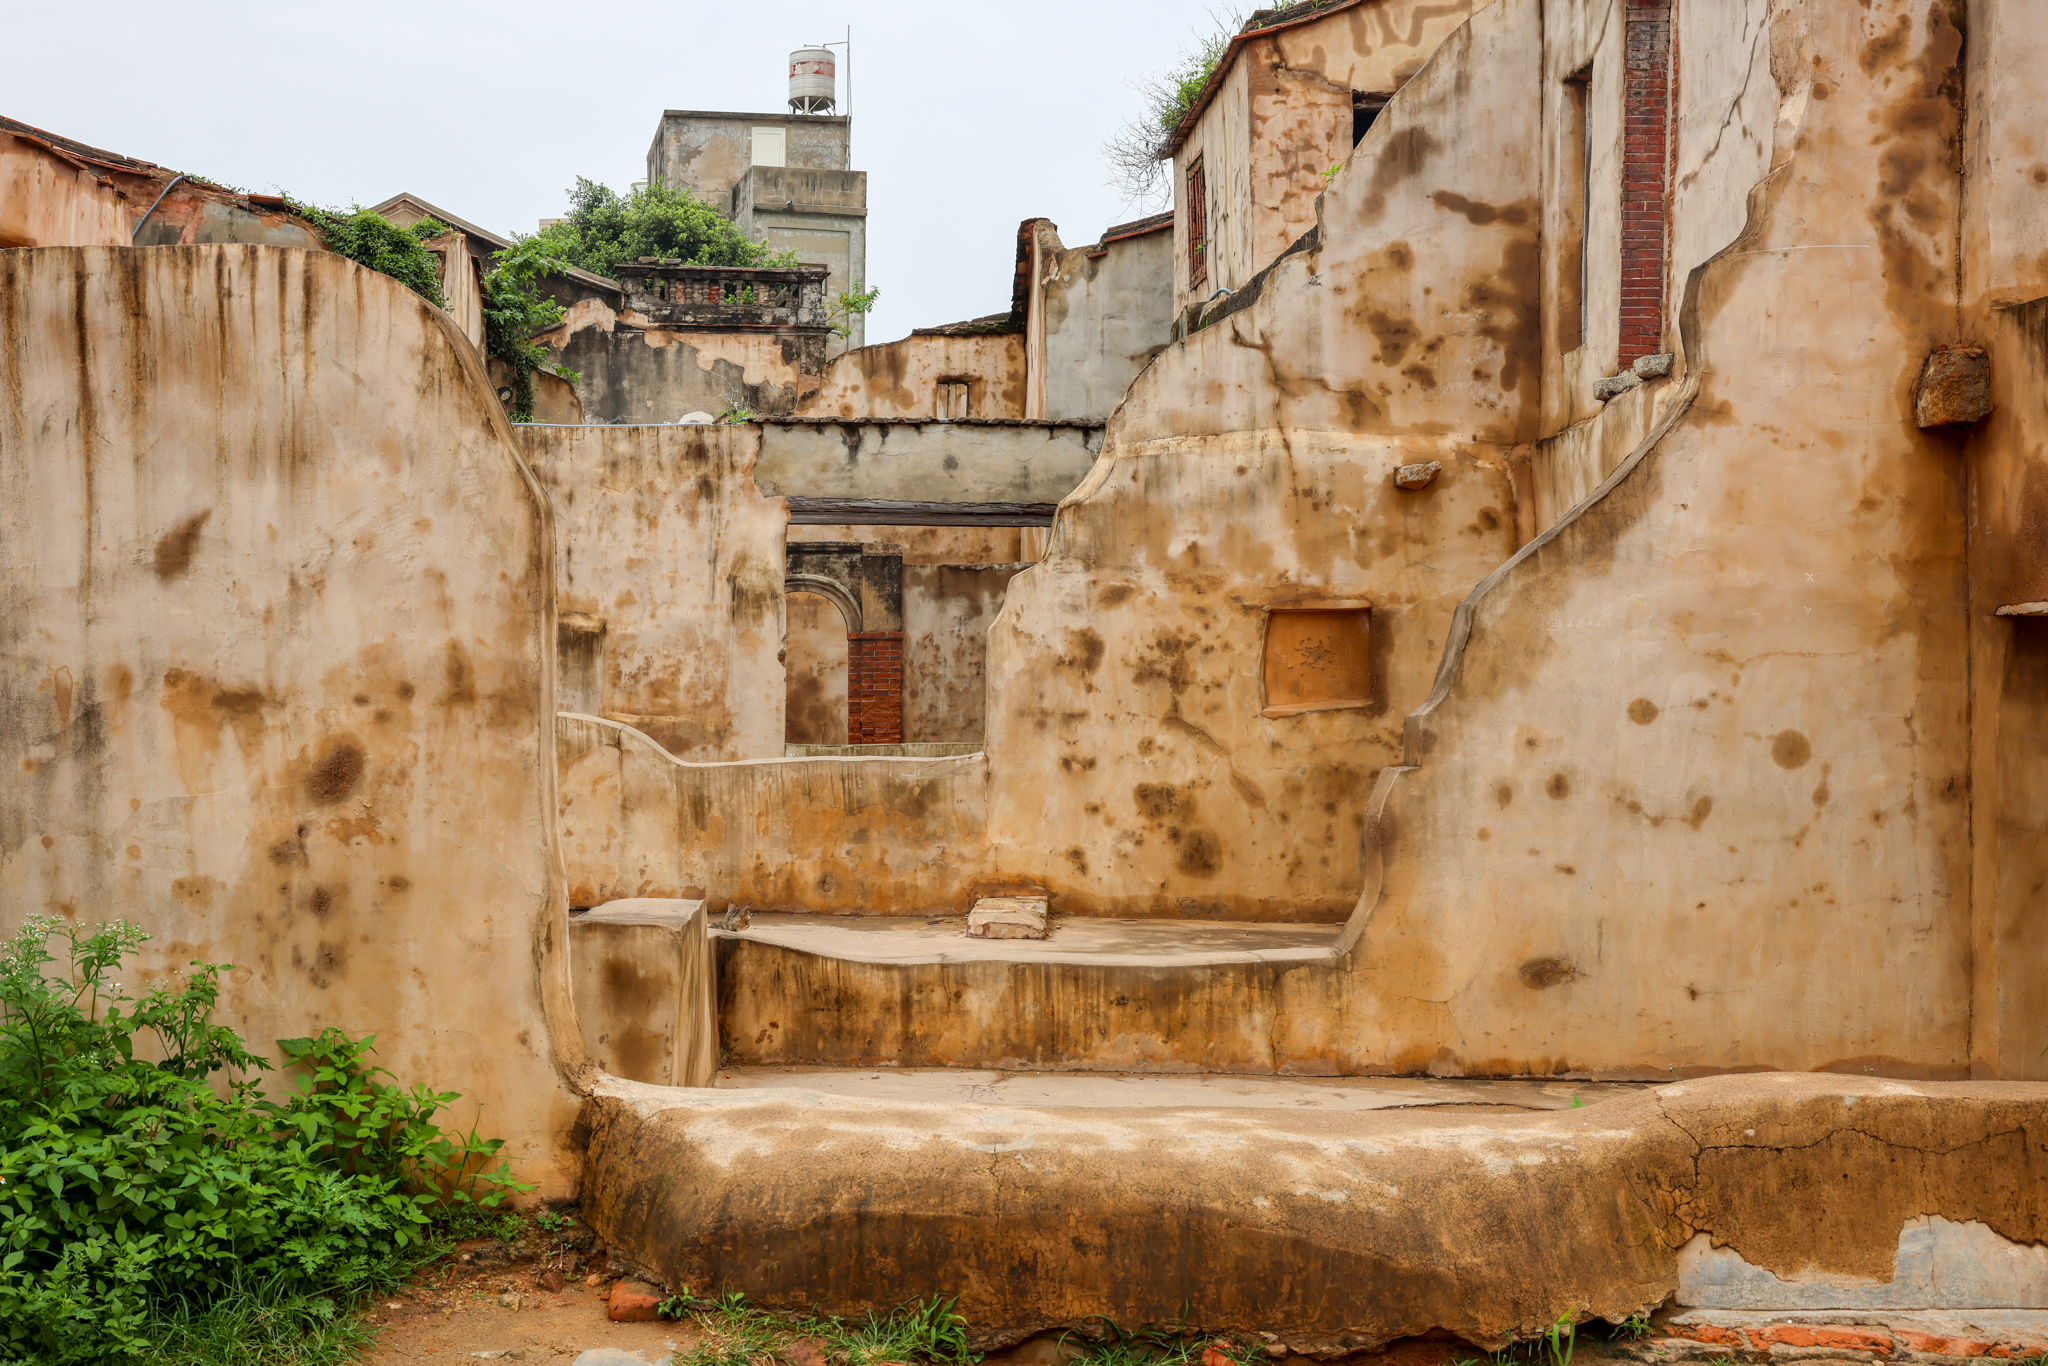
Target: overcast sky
pixel 967 117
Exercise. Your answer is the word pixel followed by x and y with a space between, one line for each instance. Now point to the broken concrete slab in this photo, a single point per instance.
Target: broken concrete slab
pixel 1614 386
pixel 1334 1231
pixel 1008 917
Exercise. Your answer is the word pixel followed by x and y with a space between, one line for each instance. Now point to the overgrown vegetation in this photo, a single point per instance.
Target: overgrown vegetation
pixel 604 227
pixel 737 1333
pixel 514 310
pixel 155 1204
pixel 370 239
pixel 1135 153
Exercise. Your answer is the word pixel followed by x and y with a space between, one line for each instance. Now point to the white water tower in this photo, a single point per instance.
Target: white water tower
pixel 813 81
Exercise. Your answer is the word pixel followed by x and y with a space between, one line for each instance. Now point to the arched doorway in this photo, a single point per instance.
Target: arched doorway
pixel 814 663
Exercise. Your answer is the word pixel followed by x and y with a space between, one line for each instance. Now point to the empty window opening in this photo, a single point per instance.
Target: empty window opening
pixel 1365 111
pixel 952 401
pixel 1575 203
pixel 1318 659
pixel 815 664
pixel 771 147
pixel 1198 225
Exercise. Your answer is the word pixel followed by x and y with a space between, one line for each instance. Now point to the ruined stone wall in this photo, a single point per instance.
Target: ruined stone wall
pixel 1138 766
pixel 860 836
pixel 1108 310
pixel 276 653
pixel 665 541
pixel 814 667
pixel 1693 789
pixel 901 378
pixel 2004 292
pixel 632 372
pixel 947 610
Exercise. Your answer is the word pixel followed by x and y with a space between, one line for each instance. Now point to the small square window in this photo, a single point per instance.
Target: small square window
pixel 1317 659
pixel 952 399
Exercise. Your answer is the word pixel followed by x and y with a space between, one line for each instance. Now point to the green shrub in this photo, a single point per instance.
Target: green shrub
pixel 135 1192
pixel 604 227
pixel 371 239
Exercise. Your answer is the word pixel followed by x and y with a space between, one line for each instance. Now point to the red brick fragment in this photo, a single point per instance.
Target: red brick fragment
pixel 1944 1346
pixel 1710 1332
pixel 634 1302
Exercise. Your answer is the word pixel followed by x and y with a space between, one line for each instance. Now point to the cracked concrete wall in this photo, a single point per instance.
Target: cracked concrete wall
pixel 631 371
pixel 2004 308
pixel 278 661
pixel 895 836
pixel 1283 117
pixel 1107 310
pixel 1251 467
pixel 901 378
pixel 1692 789
pixel 1300 1224
pixel 664 538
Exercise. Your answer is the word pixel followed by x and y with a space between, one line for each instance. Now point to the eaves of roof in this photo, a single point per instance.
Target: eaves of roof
pixel 492 239
pixel 1186 126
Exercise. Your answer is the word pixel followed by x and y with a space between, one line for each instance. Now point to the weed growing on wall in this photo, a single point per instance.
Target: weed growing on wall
pixel 1134 153
pixel 604 227
pixel 515 309
pixel 153 1199
pixel 371 239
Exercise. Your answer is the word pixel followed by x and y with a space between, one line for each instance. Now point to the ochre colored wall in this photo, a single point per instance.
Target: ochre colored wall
pixel 1251 467
pixel 862 836
pixel 664 537
pixel 815 652
pixel 277 678
pixel 947 609
pixel 900 378
pixel 1693 787
pixel 49 200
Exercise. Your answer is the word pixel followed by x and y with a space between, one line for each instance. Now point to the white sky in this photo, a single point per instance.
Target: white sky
pixel 968 117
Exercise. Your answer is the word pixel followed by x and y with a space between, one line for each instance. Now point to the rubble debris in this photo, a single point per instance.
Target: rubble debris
pixel 1418 476
pixel 1008 917
pixel 1955 387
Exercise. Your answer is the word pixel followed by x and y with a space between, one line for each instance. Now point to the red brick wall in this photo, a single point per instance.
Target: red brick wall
pixel 874 688
pixel 1645 178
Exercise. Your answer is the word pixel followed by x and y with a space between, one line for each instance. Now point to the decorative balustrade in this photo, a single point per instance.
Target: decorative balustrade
pixel 707 298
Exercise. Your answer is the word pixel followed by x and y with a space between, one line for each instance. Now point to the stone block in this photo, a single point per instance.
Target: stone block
pixel 1654 367
pixel 1614 386
pixel 1955 387
pixel 1008 917
pixel 1417 476
pixel 633 1302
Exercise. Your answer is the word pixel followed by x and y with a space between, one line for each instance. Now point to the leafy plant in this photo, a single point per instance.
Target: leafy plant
pixel 733 413
pixel 1561 1337
pixel 138 1195
pixel 515 309
pixel 1635 1327
pixel 371 239
pixel 604 227
pixel 851 303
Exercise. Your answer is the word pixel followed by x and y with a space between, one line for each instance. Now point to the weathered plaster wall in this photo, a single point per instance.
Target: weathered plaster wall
pixel 1251 467
pixel 1693 787
pixel 819 214
pixel 814 649
pixel 947 610
pixel 631 372
pixel 1108 310
pixel 276 660
pixel 665 539
pixel 48 199
pixel 901 378
pixel 708 151
pixel 1282 118
pixel 875 836
pixel 2005 309
pixel 976 461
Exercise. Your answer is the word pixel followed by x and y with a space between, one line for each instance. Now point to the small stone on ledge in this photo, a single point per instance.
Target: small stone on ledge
pixel 1417 476
pixel 1008 917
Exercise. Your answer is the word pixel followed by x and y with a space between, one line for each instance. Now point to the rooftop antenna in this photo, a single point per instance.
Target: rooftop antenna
pixel 847 43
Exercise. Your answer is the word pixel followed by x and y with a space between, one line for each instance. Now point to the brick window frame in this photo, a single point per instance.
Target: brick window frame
pixel 1198 225
pixel 1645 178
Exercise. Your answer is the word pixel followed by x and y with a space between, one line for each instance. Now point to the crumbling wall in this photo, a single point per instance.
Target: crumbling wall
pixel 277 677
pixel 873 836
pixel 814 667
pixel 664 538
pixel 1108 310
pixel 1692 789
pixel 2005 311
pixel 947 610
pixel 901 378
pixel 1138 767
pixel 632 372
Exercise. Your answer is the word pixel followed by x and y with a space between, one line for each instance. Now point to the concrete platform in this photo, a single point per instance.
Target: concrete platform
pixel 1098 995
pixel 1332 1227
pixel 1111 1090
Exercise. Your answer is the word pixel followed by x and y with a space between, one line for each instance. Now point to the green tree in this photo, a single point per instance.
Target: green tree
pixel 604 228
